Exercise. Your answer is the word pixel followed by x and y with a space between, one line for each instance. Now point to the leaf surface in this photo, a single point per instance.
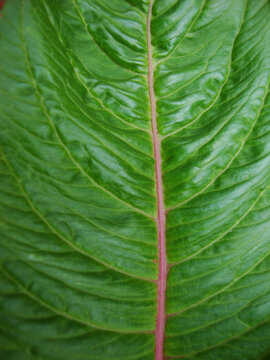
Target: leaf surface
pixel 80 203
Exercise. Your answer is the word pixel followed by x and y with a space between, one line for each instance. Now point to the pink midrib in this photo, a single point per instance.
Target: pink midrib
pixel 161 214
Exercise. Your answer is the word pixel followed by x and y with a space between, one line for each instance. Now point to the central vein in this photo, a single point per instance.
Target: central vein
pixel 161 215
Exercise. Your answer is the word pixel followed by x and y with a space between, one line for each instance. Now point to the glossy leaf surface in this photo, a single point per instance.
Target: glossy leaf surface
pixel 79 240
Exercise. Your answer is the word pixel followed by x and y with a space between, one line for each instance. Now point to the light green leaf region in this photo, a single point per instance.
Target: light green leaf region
pixel 78 236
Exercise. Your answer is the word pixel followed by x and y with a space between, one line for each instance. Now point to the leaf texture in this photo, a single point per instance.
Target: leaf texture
pixel 79 241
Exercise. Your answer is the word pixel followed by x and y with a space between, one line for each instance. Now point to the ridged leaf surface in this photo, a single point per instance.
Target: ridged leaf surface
pixel 80 226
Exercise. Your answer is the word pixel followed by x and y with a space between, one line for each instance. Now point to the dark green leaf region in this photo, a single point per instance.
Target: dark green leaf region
pixel 134 180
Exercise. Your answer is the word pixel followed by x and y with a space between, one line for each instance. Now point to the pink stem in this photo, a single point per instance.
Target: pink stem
pixel 2 4
pixel 161 216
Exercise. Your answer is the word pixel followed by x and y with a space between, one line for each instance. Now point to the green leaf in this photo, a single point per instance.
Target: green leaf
pixel 134 170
